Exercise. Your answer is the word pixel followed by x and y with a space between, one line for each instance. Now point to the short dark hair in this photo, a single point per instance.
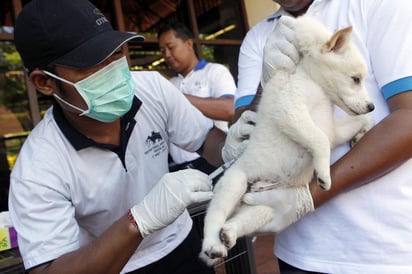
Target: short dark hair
pixel 180 29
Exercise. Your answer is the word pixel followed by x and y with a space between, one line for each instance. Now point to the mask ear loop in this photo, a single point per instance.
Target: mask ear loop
pixel 82 111
pixel 58 78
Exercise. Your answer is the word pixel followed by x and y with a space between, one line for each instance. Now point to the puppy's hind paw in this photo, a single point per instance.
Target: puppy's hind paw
pixel 209 261
pixel 228 235
pixel 215 251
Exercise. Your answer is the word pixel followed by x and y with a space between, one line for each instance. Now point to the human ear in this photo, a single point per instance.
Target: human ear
pixel 189 43
pixel 43 83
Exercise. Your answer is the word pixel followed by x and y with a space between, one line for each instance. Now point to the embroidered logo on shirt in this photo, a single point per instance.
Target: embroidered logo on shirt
pixel 154 138
pixel 156 144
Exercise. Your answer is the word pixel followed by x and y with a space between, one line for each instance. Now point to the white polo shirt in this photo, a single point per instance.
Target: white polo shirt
pixel 367 229
pixel 67 190
pixel 206 80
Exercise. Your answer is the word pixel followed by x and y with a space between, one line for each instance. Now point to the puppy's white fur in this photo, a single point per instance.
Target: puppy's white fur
pixel 295 131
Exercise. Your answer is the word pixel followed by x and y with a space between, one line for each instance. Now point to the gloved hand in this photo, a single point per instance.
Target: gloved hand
pixel 238 136
pixel 169 198
pixel 289 205
pixel 281 49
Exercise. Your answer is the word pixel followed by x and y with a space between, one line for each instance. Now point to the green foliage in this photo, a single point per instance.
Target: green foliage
pixel 208 53
pixel 9 58
pixel 12 85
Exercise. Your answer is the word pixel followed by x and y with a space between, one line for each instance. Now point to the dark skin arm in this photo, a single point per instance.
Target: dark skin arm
pixel 212 147
pixel 253 105
pixel 214 108
pixel 107 254
pixel 382 149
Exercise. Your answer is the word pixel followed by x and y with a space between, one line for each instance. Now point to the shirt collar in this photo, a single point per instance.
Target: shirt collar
pixel 281 12
pixel 202 63
pixel 276 15
pixel 79 141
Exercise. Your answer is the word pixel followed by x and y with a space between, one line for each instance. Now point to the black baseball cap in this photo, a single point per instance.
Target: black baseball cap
pixel 71 33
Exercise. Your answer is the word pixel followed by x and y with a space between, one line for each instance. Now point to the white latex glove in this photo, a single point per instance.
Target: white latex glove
pixel 281 49
pixel 289 205
pixel 238 136
pixel 169 198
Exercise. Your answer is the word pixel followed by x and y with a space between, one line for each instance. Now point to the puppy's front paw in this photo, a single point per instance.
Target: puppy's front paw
pixel 368 124
pixel 324 181
pixel 355 139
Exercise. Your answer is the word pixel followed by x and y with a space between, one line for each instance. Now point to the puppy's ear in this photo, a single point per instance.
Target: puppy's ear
pixel 338 41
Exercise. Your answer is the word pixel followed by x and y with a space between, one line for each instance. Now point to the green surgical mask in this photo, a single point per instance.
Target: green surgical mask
pixel 108 92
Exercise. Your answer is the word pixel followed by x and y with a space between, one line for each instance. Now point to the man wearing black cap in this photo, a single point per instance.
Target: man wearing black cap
pixel 90 192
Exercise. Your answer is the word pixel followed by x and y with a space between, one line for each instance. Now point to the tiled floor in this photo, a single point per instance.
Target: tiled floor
pixel 264 259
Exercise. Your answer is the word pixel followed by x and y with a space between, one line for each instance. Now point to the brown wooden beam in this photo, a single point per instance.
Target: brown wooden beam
pixel 194 26
pixel 118 12
pixel 17 7
pixel 221 42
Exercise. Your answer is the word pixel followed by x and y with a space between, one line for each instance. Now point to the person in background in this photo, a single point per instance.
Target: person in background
pixel 363 224
pixel 210 87
pixel 90 191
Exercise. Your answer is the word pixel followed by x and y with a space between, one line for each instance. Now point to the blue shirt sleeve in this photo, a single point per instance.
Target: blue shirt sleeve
pixel 244 101
pixel 396 87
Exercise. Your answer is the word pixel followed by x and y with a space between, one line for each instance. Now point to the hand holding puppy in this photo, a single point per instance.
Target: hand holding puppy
pixel 281 50
pixel 238 136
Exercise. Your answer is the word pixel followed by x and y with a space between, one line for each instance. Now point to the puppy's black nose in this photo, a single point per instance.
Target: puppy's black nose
pixel 371 107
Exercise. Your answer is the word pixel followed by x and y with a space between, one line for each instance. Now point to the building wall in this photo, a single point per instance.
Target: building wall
pixel 257 10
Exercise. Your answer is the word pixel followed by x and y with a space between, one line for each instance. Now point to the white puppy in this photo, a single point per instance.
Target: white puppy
pixel 295 131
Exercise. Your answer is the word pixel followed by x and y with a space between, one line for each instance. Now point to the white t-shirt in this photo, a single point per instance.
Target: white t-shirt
pixel 206 80
pixel 65 191
pixel 366 229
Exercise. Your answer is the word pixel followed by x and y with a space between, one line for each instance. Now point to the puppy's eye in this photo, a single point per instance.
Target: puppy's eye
pixel 356 80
